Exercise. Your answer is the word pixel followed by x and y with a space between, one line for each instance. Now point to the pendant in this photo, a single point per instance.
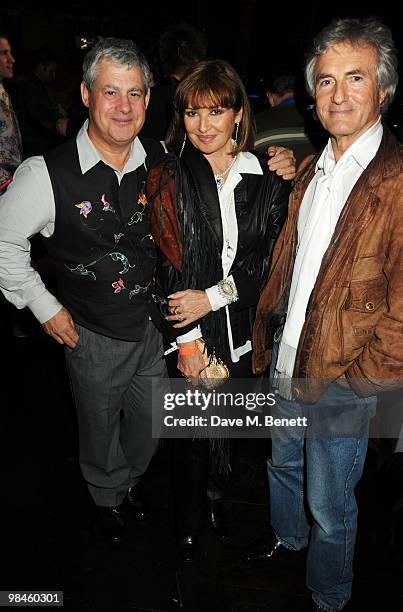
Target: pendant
pixel 219 182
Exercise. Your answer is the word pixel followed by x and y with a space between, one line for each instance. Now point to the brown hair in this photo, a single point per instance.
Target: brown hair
pixel 211 83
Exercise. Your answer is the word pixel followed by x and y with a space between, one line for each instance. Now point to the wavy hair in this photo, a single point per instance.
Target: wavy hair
pixel 118 51
pixel 358 32
pixel 211 83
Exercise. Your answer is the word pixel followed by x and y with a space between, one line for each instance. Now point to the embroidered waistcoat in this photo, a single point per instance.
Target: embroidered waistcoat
pixel 102 248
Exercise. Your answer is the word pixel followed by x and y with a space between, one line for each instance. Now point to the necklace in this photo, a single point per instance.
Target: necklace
pixel 219 177
pixel 225 211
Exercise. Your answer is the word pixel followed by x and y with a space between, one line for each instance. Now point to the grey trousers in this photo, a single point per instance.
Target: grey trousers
pixel 115 383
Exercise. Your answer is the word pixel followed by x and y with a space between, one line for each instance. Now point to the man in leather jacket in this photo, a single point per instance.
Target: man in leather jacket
pixel 336 289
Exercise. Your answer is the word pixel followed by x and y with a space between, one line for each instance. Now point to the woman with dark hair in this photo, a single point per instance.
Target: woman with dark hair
pixel 216 211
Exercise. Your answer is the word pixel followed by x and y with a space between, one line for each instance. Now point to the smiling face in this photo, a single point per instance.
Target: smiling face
pixel 347 97
pixel 117 104
pixel 6 60
pixel 210 129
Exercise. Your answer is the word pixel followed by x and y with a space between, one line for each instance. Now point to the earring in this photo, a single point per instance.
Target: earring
pixel 183 146
pixel 236 133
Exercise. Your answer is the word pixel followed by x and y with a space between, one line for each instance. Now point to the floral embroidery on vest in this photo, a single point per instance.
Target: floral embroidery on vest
pixel 119 286
pixel 107 207
pixel 138 216
pixel 85 208
pixel 81 269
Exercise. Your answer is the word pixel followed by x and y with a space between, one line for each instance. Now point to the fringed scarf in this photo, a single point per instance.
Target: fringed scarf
pixel 186 225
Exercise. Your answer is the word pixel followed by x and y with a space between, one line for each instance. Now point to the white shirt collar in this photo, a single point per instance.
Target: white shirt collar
pixel 247 163
pixel 363 150
pixel 89 155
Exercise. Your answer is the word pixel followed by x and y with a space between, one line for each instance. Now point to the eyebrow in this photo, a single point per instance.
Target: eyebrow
pixel 110 86
pixel 326 75
pixel 201 107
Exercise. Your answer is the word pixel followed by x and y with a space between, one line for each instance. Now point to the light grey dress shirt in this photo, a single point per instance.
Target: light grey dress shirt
pixel 28 208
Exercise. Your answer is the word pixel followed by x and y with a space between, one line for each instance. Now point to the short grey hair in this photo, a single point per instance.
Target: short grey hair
pixel 118 51
pixel 368 31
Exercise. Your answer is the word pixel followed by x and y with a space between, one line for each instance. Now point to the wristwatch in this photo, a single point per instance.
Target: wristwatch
pixel 228 290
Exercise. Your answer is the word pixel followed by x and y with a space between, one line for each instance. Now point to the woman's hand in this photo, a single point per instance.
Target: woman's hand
pixel 188 306
pixel 282 162
pixel 191 366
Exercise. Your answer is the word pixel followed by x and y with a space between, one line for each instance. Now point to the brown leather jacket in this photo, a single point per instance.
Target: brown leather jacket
pixel 354 317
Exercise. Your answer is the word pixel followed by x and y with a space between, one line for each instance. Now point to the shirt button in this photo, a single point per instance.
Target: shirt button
pixel 370 306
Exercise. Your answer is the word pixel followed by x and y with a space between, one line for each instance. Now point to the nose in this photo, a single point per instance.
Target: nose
pixel 204 123
pixel 339 93
pixel 9 57
pixel 124 104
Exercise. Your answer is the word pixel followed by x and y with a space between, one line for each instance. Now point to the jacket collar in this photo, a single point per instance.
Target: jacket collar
pixel 201 179
pixel 358 210
pixel 362 150
pixel 387 162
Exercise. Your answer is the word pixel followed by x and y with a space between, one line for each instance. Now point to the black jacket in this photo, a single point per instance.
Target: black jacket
pixel 261 208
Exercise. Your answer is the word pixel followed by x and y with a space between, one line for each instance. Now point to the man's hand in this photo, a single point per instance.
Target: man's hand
pixel 188 306
pixel 282 162
pixel 62 329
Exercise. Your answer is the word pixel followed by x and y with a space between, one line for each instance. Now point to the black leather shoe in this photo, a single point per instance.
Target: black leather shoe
pixel 188 548
pixel 111 522
pixel 137 501
pixel 263 549
pixel 218 518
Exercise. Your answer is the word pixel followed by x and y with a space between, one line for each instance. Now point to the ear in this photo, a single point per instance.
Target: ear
pixel 382 96
pixel 238 116
pixel 147 97
pixel 85 94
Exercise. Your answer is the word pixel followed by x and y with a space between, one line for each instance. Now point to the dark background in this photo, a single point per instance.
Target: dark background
pixel 261 38
pixel 45 534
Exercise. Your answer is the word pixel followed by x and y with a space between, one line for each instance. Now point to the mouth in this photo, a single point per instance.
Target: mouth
pixel 340 112
pixel 122 122
pixel 206 139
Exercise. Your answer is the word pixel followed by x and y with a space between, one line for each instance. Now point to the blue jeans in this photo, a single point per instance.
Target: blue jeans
pixel 312 501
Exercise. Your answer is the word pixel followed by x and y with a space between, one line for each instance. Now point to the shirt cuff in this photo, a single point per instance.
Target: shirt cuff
pixel 193 334
pixel 216 300
pixel 45 307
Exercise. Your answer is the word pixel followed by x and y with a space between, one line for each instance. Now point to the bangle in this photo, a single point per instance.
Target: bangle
pixel 187 350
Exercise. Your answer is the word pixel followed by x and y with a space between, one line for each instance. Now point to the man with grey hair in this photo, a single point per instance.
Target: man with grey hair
pixel 86 199
pixel 331 315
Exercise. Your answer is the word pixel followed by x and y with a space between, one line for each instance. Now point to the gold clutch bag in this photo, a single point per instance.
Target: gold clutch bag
pixel 216 371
